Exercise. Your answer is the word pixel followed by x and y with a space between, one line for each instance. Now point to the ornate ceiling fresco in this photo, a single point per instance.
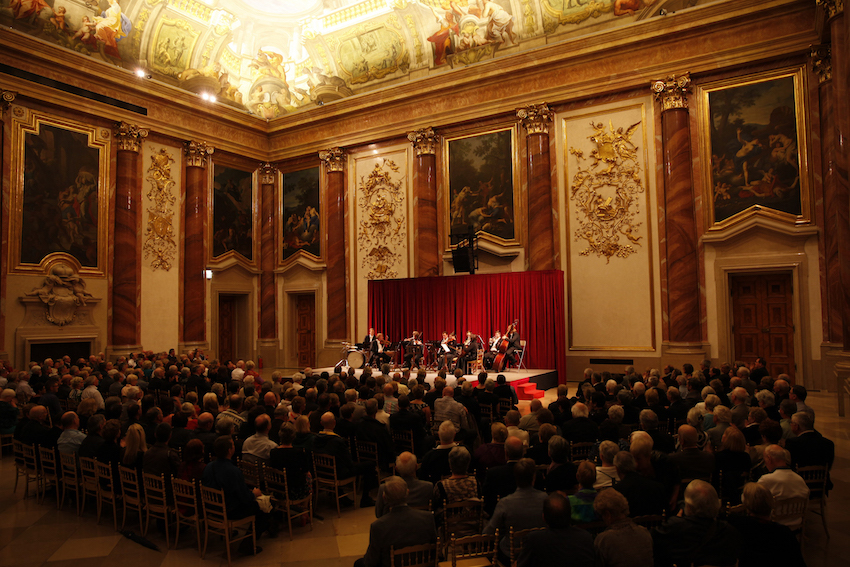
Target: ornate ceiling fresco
pixel 271 57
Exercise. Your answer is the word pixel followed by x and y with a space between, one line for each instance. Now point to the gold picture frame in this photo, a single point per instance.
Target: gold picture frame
pixel 60 185
pixel 294 247
pixel 754 146
pixel 228 213
pixel 471 197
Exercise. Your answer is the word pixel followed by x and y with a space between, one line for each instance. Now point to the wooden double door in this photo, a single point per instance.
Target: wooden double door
pixel 763 323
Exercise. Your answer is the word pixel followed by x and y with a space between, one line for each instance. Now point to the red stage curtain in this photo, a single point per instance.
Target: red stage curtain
pixel 479 303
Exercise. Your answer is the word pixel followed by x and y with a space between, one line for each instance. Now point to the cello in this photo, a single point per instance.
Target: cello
pixel 501 359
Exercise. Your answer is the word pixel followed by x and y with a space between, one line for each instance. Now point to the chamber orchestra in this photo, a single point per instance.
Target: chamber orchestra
pixel 446 353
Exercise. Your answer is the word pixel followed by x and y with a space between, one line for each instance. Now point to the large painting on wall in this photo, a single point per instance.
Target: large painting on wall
pixel 233 209
pixel 753 137
pixel 59 203
pixel 481 176
pixel 301 221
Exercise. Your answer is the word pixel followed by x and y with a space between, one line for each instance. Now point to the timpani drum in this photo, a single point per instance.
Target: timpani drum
pixel 356 359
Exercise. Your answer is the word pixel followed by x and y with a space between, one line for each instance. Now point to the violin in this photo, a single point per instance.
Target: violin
pixel 501 360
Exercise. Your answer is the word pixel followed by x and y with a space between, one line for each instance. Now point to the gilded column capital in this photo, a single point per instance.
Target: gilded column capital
pixel 424 141
pixel 6 99
pixel 334 159
pixel 535 118
pixel 268 171
pixel 672 92
pixel 821 56
pixel 197 153
pixel 832 8
pixel 130 136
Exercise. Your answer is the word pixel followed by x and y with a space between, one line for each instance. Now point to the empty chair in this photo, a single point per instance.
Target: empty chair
pixel 187 507
pixel 131 494
pixel 88 475
pixel 415 555
pixel 327 480
pixel 106 491
pixel 367 451
pixel 71 479
pixel 216 522
pixel 156 502
pixel 278 485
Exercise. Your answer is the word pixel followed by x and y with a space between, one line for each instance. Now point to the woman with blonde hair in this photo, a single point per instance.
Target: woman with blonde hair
pixel 134 447
pixel 76 389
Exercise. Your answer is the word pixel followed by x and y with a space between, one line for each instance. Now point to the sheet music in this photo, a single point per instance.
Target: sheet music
pixel 445 347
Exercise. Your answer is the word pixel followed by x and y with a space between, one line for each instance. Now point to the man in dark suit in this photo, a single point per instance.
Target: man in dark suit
pixel 405 420
pixel 329 443
pixel 469 351
pixel 645 495
pixel 550 546
pixel 367 340
pixel 400 527
pixel 500 480
pixel 580 429
pixel 691 461
pixel 661 441
pixel 377 348
pixel 809 447
pixel 372 430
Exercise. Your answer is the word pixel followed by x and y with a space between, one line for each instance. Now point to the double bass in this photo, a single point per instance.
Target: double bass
pixel 501 359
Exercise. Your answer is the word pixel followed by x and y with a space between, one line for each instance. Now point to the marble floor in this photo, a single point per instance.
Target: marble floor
pixel 37 535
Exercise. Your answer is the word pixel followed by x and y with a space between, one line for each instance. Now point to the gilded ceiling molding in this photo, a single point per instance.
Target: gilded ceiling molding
pixel 334 159
pixel 6 99
pixel 130 137
pixel 424 141
pixel 821 56
pixel 268 172
pixel 535 118
pixel 159 239
pixel 832 7
pixel 197 154
pixel 672 92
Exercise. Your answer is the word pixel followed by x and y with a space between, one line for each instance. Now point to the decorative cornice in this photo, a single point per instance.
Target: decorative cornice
pixel 424 141
pixel 268 172
pixel 831 7
pixel 535 118
pixel 197 153
pixel 130 137
pixel 672 92
pixel 334 159
pixel 6 99
pixel 821 56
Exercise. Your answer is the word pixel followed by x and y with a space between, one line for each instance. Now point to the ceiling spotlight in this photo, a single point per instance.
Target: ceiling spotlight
pixel 212 98
pixel 140 73
pixel 205 96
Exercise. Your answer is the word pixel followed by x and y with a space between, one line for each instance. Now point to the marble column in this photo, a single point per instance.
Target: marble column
pixel 267 340
pixel 425 238
pixel 334 162
pixel 541 243
pixel 126 267
pixel 6 99
pixel 196 155
pixel 684 328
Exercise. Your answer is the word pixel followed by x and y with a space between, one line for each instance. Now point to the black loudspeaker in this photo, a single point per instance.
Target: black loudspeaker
pixel 460 259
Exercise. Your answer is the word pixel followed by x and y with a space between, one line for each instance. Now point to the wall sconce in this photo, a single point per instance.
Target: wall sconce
pixel 208 274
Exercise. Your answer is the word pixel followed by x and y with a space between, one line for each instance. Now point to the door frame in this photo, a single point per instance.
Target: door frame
pixel 796 266
pixel 289 322
pixel 246 303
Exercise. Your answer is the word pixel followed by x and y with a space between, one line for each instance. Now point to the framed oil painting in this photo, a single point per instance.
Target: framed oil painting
pixel 481 173
pixel 753 142
pixel 233 199
pixel 301 224
pixel 59 202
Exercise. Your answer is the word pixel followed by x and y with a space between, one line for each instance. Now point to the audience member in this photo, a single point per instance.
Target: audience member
pixel 551 546
pixel 623 543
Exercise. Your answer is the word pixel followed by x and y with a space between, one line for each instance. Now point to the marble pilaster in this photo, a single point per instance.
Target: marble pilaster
pixel 6 99
pixel 541 245
pixel 196 156
pixel 334 162
pixel 426 241
pixel 268 299
pixel 683 290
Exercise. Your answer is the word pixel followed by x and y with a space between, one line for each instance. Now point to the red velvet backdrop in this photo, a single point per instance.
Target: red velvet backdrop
pixel 479 303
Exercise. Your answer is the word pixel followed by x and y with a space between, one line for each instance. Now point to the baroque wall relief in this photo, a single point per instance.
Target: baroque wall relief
pixel 159 244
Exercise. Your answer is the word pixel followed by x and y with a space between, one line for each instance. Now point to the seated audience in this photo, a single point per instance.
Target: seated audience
pixel 551 546
pixel 521 510
pixel 606 473
pixel 295 463
pixel 644 495
pixel 581 502
pixel 419 492
pixel 623 543
pixel 781 481
pixel 71 437
pixel 435 463
pixel 770 543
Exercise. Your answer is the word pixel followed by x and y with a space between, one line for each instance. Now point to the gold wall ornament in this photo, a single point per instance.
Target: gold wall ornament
pixel 159 234
pixel 672 92
pixel 831 7
pixel 268 172
pixel 535 118
pixel 197 154
pixel 334 159
pixel 6 99
pixel 382 227
pixel 62 292
pixel 424 141
pixel 821 56
pixel 604 190
pixel 130 136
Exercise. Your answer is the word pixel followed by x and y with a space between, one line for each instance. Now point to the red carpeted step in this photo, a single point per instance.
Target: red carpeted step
pixel 529 391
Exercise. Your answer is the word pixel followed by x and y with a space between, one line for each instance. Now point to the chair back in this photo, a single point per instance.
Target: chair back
pixel 403 440
pixel 475 546
pixel 88 472
pixel 790 511
pixel 156 497
pixel 464 517
pixel 18 452
pixel 30 459
pixel 185 497
pixel 580 451
pixel 505 405
pixel 325 468
pixel 130 489
pixel 49 467
pixel 70 472
pixel 516 541
pixel 815 477
pixel 251 471
pixel 212 501
pixel 650 521
pixel 276 483
pixel 415 555
pixel 104 477
pixel 486 413
pixel 367 451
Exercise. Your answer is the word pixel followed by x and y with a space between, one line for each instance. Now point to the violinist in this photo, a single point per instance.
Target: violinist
pixel 367 340
pixel 413 351
pixel 378 355
pixel 469 351
pixel 493 350
pixel 448 349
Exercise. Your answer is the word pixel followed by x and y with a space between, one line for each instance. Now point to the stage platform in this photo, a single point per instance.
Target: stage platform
pixel 529 383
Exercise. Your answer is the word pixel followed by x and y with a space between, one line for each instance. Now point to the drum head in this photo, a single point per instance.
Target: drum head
pixel 356 359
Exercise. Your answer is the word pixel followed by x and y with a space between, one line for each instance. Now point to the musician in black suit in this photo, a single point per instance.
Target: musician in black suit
pixel 378 355
pixel 448 350
pixel 469 351
pixel 413 351
pixel 367 340
pixel 513 346
pixel 493 350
